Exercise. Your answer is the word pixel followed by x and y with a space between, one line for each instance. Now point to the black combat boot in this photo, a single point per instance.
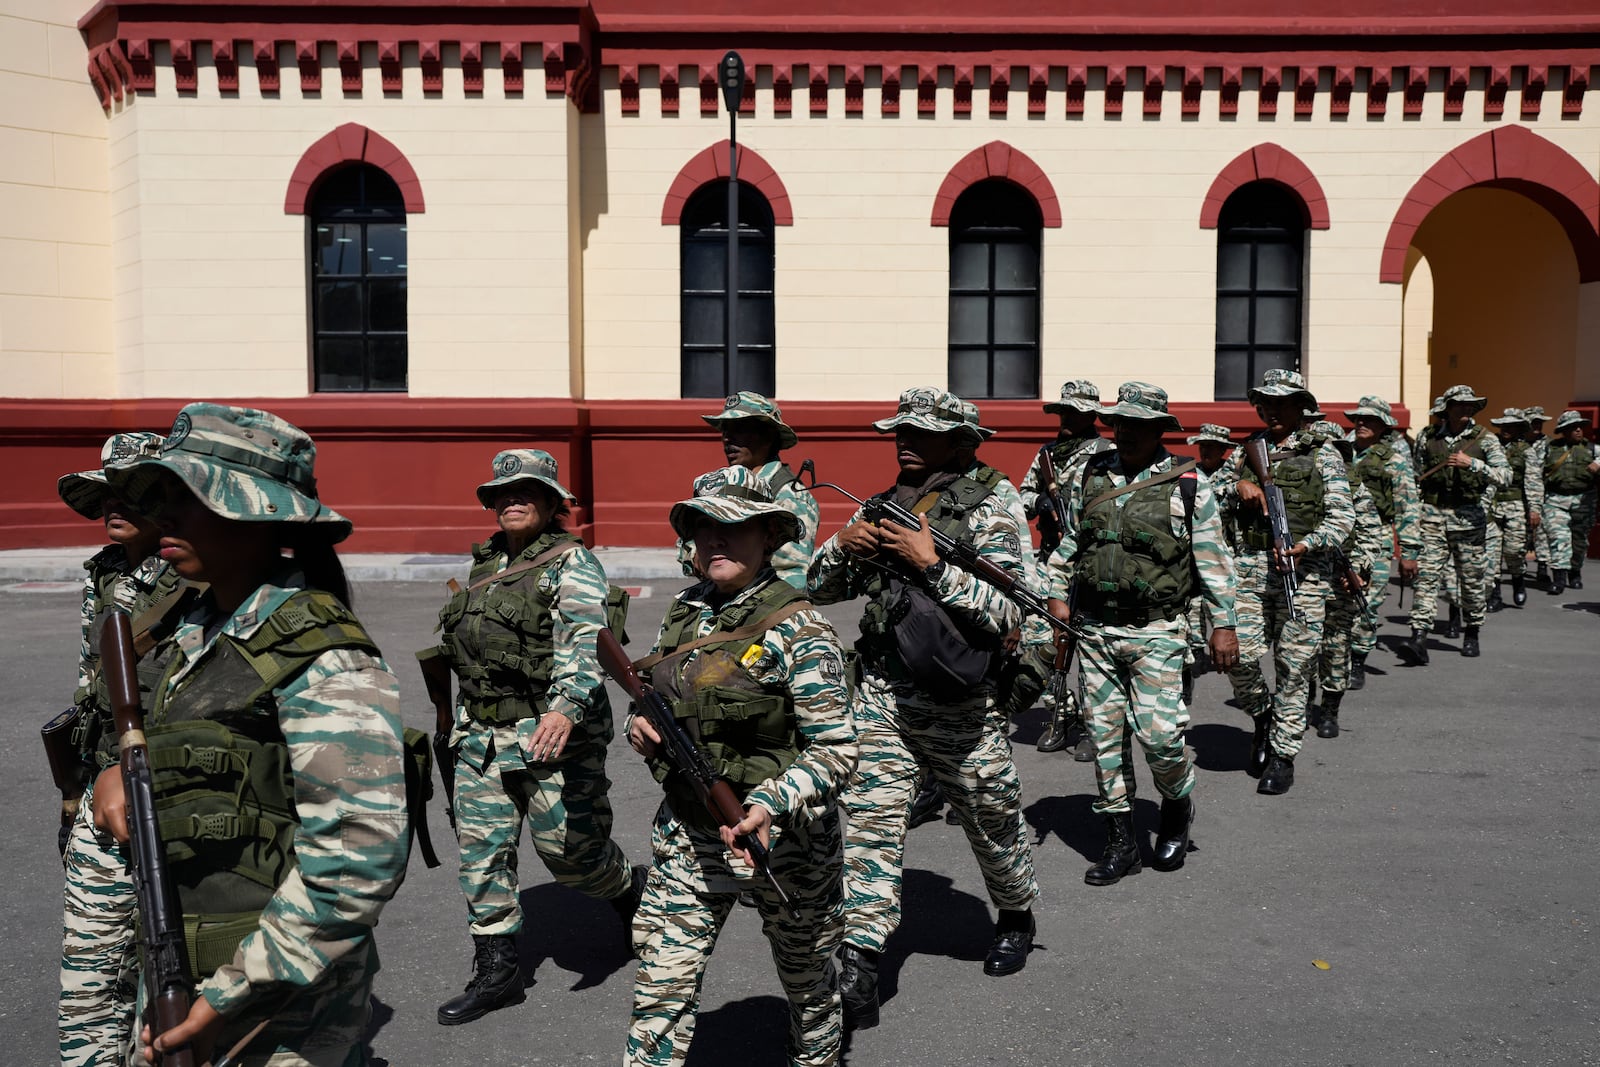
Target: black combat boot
pixel 1575 578
pixel 1542 575
pixel 1188 687
pixel 628 902
pixel 1328 725
pixel 927 804
pixel 1084 751
pixel 858 987
pixel 1013 940
pixel 1358 671
pixel 1452 625
pixel 1121 855
pixel 1519 590
pixel 1278 776
pixel 496 981
pixel 1058 732
pixel 1469 643
pixel 1495 603
pixel 1415 651
pixel 1259 749
pixel 1558 582
pixel 1172 838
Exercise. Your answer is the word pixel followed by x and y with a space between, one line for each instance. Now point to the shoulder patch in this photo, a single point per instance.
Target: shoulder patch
pixel 832 667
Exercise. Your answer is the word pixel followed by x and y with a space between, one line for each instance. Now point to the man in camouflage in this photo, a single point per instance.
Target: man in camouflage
pixel 97 951
pixel 1538 533
pixel 1506 543
pixel 1212 445
pixel 753 434
pixel 1141 536
pixel 1462 465
pixel 926 694
pixel 1570 464
pixel 1383 465
pixel 1317 498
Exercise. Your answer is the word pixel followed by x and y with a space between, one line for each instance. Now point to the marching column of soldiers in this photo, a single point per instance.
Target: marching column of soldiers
pixel 266 756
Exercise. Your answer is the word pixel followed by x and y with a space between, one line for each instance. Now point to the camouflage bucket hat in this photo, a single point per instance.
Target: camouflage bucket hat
pixel 522 465
pixel 1076 395
pixel 1571 418
pixel 974 421
pixel 1140 400
pixel 1511 417
pixel 1312 411
pixel 730 495
pixel 1280 382
pixel 243 464
pixel 934 410
pixel 1463 394
pixel 748 405
pixel 1535 413
pixel 1376 407
pixel 1331 433
pixel 85 491
pixel 1210 431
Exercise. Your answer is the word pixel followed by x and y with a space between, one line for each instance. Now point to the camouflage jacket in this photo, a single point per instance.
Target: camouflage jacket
pixel 1369 538
pixel 1337 518
pixel 1533 474
pixel 790 560
pixel 1068 455
pixel 133 590
pixel 1402 479
pixel 1493 466
pixel 1213 563
pixel 341 721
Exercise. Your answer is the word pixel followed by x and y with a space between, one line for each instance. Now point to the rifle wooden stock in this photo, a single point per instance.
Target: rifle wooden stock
pixel 1050 488
pixel 166 962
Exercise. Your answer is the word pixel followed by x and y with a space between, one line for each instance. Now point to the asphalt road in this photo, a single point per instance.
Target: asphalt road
pixel 1441 857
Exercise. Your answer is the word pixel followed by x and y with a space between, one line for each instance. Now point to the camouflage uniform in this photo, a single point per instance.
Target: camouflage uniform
pixel 1198 616
pixel 1506 541
pixel 1367 542
pixel 962 743
pixel 1538 447
pixel 1569 490
pixel 1384 469
pixel 695 880
pixel 1454 520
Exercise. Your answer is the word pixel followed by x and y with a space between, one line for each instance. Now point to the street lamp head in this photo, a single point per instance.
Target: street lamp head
pixel 731 74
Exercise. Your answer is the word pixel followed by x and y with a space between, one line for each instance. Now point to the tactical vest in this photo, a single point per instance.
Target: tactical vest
pixel 1371 470
pixel 746 730
pixel 500 638
pixel 781 477
pixel 224 785
pixel 1516 455
pixel 1452 487
pixel 1571 477
pixel 1295 473
pixel 1062 453
pixel 1132 569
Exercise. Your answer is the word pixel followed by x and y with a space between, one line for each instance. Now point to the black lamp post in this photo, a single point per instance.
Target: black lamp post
pixel 732 76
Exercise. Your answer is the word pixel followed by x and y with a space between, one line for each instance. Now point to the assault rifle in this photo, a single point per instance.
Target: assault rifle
pixel 1349 579
pixel 169 991
pixel 1255 451
pixel 436 680
pixel 1050 529
pixel 67 767
pixel 680 751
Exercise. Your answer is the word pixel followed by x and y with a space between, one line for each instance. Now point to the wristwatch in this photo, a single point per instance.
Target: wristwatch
pixel 933 572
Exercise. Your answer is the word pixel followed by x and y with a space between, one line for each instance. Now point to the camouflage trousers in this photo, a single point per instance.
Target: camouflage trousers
pixel 1133 686
pixel 1541 536
pixel 1364 627
pixel 965 749
pixel 1265 625
pixel 1505 540
pixel 1338 640
pixel 1582 522
pixel 568 813
pixel 98 951
pixel 692 887
pixel 1559 509
pixel 1452 544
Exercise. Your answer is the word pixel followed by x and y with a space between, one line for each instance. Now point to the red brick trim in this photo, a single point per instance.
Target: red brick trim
pixel 1511 158
pixel 351 143
pixel 712 165
pixel 1267 162
pixel 997 160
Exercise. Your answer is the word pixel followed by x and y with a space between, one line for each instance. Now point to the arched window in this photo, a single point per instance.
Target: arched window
pixel 1261 242
pixel 703 244
pixel 357 227
pixel 994 292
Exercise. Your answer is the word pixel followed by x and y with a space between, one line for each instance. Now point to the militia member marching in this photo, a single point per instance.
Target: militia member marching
pixel 753 433
pixel 1570 463
pixel 1461 467
pixel 1140 538
pixel 757 675
pixel 1506 543
pixel 97 952
pixel 276 723
pixel 531 723
pixel 1538 532
pixel 1383 466
pixel 1316 495
pixel 1213 443
pixel 926 696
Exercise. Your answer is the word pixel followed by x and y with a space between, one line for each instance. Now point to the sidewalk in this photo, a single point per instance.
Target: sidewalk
pixel 66 565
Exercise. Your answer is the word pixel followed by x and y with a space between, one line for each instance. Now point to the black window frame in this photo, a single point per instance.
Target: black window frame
pixel 363 196
pixel 704 369
pixel 1258 214
pixel 995 212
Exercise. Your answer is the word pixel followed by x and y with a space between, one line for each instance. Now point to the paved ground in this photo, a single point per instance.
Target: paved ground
pixel 1441 857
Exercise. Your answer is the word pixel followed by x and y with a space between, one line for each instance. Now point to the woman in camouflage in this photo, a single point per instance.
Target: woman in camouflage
pixel 757 675
pixel 275 726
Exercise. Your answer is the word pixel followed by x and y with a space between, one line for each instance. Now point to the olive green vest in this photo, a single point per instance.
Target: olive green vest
pixel 224 785
pixel 1371 470
pixel 1295 473
pixel 1452 487
pixel 746 730
pixel 1572 476
pixel 1516 454
pixel 1132 569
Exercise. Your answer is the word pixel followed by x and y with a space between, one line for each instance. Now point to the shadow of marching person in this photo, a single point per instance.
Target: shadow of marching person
pixel 574 932
pixel 749 1032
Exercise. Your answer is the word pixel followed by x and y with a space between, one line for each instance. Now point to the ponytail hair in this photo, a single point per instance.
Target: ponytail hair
pixel 316 558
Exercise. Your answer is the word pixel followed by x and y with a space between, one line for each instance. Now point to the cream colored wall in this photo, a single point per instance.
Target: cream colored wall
pixel 55 246
pixel 212 274
pixel 1416 367
pixel 1129 277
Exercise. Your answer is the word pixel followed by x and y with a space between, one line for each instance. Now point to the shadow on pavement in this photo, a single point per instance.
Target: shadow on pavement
pixel 572 931
pixel 752 1032
pixel 937 920
pixel 1218 747
pixel 381 1014
pixel 1029 726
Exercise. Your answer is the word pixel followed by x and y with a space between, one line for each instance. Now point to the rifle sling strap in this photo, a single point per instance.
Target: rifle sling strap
pixel 517 568
pixel 717 637
pixel 143 639
pixel 1165 476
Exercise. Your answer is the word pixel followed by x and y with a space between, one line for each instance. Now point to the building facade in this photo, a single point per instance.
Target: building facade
pixel 428 231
